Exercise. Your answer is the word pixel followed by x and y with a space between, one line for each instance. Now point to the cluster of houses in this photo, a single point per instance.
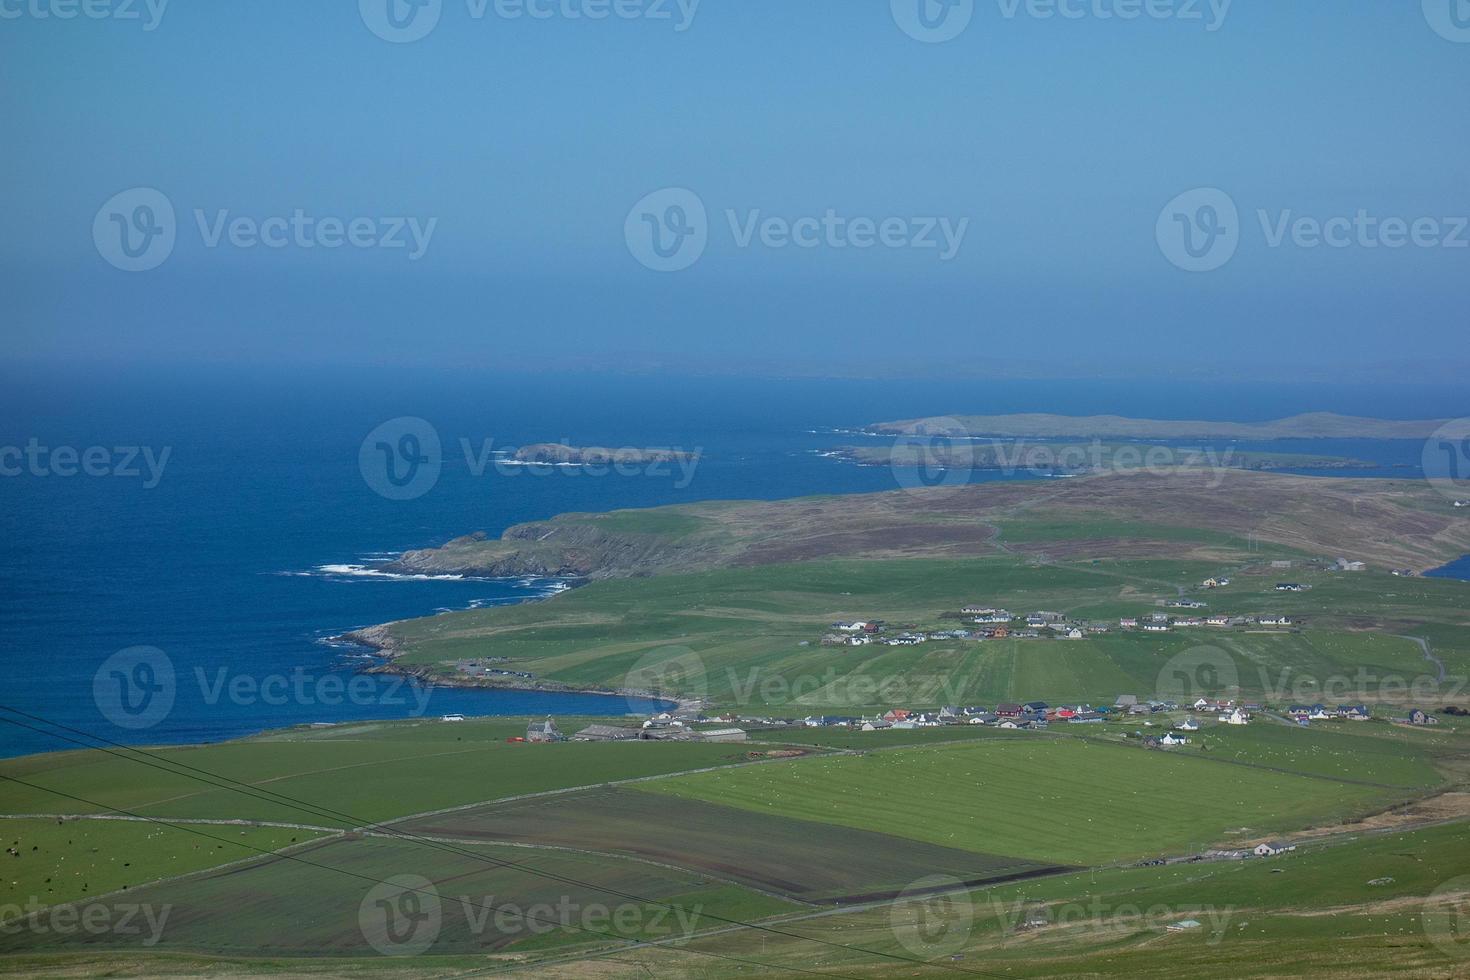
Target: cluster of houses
pixel 485 667
pixel 1031 715
pixel 1163 623
pixel 1304 713
pixel 991 623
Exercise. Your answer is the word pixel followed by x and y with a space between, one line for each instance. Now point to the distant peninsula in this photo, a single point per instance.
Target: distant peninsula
pixel 1314 425
pixel 1095 458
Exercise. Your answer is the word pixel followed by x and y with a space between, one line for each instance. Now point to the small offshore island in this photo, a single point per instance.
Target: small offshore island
pixel 561 454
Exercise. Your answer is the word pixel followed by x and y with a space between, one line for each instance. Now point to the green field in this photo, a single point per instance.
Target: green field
pixel 772 853
pixel 62 861
pixel 326 899
pixel 367 780
pixel 1062 800
pixel 752 635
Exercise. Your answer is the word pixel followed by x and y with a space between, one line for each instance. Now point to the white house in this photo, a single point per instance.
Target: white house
pixel 1171 739
pixel 1236 717
pixel 1188 725
pixel 1272 848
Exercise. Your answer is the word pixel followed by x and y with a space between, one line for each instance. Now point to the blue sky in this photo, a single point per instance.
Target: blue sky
pixel 1057 141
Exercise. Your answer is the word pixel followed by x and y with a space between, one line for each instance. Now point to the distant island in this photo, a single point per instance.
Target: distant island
pixel 1313 425
pixel 561 453
pixel 1095 457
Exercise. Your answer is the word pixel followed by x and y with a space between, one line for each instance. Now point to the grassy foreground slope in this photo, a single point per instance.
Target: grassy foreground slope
pixel 1389 905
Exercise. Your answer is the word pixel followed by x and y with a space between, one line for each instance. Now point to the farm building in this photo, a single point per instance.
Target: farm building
pixel 607 733
pixel 724 735
pixel 544 731
pixel 1272 848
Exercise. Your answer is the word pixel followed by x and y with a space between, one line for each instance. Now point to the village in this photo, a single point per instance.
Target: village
pixel 993 623
pixel 690 723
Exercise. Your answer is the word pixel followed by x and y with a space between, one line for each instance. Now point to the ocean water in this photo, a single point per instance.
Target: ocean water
pixel 261 536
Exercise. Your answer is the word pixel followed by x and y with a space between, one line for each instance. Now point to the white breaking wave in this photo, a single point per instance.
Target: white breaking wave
pixel 367 571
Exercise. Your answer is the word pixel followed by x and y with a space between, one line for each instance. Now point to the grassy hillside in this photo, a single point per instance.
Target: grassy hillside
pixel 748 637
pixel 1195 511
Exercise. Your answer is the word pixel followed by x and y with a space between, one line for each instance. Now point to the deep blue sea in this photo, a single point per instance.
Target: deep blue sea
pixel 252 547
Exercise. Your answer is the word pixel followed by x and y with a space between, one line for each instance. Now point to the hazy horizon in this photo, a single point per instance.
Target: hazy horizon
pixel 1030 171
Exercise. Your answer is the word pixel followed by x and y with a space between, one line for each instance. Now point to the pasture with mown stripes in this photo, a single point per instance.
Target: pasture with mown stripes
pixel 1063 800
